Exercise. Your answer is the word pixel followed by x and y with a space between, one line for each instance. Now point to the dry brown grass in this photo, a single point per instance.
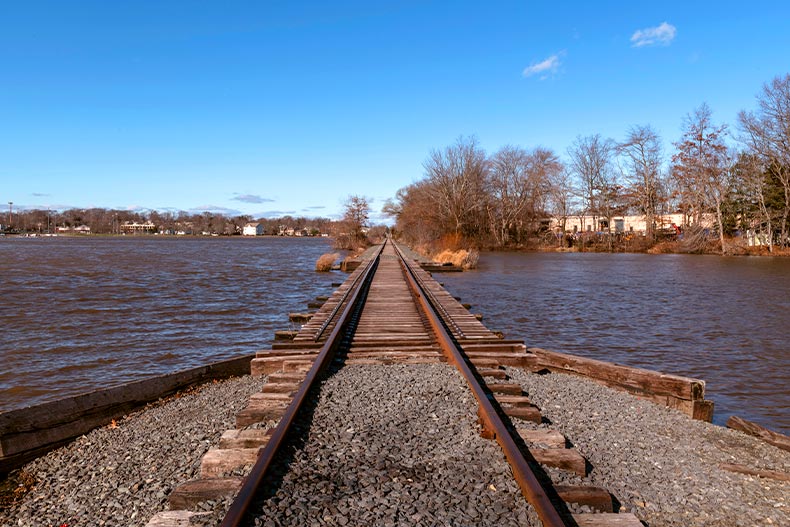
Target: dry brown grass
pixel 326 261
pixel 460 258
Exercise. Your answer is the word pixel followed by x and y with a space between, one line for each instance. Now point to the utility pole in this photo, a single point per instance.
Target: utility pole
pixel 10 209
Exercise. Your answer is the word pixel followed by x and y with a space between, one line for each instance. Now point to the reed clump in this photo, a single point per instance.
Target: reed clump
pixel 326 261
pixel 466 259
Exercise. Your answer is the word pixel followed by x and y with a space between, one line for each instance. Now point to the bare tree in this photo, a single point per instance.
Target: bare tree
pixel 518 184
pixel 641 153
pixel 702 165
pixel 561 199
pixel 760 193
pixel 590 161
pixel 456 177
pixel 767 135
pixel 356 211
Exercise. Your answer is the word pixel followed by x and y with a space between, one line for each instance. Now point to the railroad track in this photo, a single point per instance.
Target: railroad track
pixel 389 311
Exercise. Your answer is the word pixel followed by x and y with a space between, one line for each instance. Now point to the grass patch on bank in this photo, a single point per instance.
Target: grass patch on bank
pixel 326 261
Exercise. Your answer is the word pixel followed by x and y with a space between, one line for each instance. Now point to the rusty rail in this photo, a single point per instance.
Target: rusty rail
pixel 243 500
pixel 491 421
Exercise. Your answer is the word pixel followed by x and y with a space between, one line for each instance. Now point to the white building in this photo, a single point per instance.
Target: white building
pixel 622 223
pixel 252 229
pixel 134 227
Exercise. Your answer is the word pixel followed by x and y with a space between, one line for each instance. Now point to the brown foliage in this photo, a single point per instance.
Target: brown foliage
pixel 326 261
pixel 460 258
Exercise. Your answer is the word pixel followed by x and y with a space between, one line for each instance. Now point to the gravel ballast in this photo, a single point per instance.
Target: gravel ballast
pixel 121 475
pixel 660 464
pixel 395 445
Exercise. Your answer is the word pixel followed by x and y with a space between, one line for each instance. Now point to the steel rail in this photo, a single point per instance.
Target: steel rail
pixel 266 456
pixel 491 421
pixel 338 306
pixel 448 320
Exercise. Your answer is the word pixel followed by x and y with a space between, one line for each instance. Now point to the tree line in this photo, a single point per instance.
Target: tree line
pixel 111 221
pixel 739 177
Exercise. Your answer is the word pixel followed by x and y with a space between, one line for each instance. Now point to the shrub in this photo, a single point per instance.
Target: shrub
pixel 460 258
pixel 326 261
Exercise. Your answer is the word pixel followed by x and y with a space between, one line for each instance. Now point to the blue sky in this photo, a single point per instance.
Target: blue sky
pixel 267 108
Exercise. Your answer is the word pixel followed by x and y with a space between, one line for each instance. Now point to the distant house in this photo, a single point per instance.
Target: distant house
pixel 252 229
pixel 79 229
pixel 133 227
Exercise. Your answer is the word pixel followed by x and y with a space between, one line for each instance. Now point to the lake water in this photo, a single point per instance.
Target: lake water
pixel 725 320
pixel 85 313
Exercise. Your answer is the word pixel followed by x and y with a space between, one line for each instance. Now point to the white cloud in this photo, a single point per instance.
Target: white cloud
pixel 251 198
pixel 544 68
pixel 661 35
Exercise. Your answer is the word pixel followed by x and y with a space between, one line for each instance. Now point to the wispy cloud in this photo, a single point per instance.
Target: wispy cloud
pixel 215 208
pixel 39 194
pixel 544 68
pixel 661 35
pixel 274 213
pixel 251 198
pixel 315 207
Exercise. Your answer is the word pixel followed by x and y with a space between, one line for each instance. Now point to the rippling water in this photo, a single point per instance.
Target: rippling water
pixel 724 320
pixel 84 313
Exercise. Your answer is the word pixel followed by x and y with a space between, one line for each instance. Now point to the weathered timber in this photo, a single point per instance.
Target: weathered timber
pixel 285 334
pixel 516 360
pixel 527 413
pixel 753 429
pixel 440 268
pixel 595 497
pixel 273 396
pixel 682 393
pixel 488 364
pixel 762 473
pixel 545 438
pixel 350 264
pixel 173 518
pixel 259 411
pixel 297 365
pixel 479 316
pixel 218 462
pixel 293 352
pixel 286 377
pixel 300 318
pixel 272 387
pixel 491 372
pixel 625 519
pixel 513 399
pixel 299 345
pixel 250 438
pixel 563 458
pixel 272 364
pixel 27 433
pixel 504 388
pixel 395 360
pixel 188 495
